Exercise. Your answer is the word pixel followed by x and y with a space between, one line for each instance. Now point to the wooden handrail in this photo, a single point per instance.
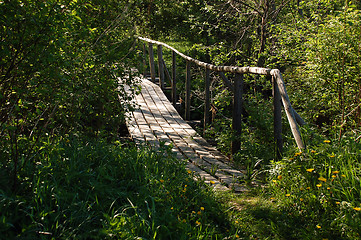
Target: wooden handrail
pixel 231 69
pixel 279 90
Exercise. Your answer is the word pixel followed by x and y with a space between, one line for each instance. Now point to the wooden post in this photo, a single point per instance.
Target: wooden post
pixel 151 62
pixel 188 91
pixel 144 60
pixel 207 100
pixel 288 109
pixel 237 111
pixel 160 67
pixel 277 119
pixel 174 81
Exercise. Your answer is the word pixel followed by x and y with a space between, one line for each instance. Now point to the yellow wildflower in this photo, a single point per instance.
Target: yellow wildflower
pixel 328 188
pixel 198 223
pixel 291 159
pixel 279 177
pixel 318 226
pixel 310 169
pixel 212 182
pixel 332 156
pixel 301 199
pixel 308 188
pixel 298 154
pixel 237 236
pixel 287 195
pixel 335 172
pixel 337 203
pixel 327 141
pixel 162 181
pixel 322 179
pixel 236 222
pixel 202 208
pixel 357 208
pixel 274 181
pixel 189 171
pixel 313 151
pixel 343 175
pixel 333 176
pixel 199 213
pixel 319 185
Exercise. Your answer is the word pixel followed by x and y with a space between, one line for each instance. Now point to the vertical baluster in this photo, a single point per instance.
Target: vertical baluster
pixel 151 62
pixel 207 100
pixel 160 67
pixel 174 81
pixel 188 91
pixel 144 60
pixel 277 118
pixel 237 111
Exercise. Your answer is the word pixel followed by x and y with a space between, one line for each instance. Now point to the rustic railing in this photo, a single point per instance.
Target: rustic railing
pixel 278 89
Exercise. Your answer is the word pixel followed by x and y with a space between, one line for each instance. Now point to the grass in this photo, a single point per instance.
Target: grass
pixel 321 185
pixel 94 189
pixel 90 189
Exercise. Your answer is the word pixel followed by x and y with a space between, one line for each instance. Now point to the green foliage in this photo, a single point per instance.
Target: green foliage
pixel 83 189
pixel 60 63
pixel 322 186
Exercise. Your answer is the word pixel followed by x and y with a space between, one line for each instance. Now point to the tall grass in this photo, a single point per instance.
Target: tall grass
pixel 90 189
pixel 322 185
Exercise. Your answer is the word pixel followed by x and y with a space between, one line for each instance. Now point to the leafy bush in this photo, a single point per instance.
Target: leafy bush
pixel 60 63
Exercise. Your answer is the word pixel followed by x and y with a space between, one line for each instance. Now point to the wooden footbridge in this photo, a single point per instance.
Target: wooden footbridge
pixel 156 121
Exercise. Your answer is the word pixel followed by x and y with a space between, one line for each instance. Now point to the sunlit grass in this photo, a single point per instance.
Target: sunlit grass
pixel 322 185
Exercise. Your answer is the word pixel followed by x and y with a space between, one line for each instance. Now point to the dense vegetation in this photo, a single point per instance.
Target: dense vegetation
pixel 64 174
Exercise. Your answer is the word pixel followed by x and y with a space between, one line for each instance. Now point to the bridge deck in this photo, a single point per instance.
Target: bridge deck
pixel 156 120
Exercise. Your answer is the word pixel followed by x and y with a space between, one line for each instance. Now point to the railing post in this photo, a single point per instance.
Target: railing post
pixel 277 119
pixel 207 100
pixel 151 62
pixel 288 109
pixel 237 111
pixel 144 60
pixel 160 67
pixel 188 91
pixel 174 81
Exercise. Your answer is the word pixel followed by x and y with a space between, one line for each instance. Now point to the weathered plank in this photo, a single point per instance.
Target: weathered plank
pixel 156 121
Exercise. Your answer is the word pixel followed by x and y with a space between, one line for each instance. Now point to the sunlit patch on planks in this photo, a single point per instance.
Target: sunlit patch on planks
pixel 155 120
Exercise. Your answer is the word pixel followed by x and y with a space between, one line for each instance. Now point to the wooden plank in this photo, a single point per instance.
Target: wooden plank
pixel 189 151
pixel 156 123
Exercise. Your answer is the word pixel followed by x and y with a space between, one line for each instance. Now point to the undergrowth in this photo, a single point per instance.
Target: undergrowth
pixel 90 189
